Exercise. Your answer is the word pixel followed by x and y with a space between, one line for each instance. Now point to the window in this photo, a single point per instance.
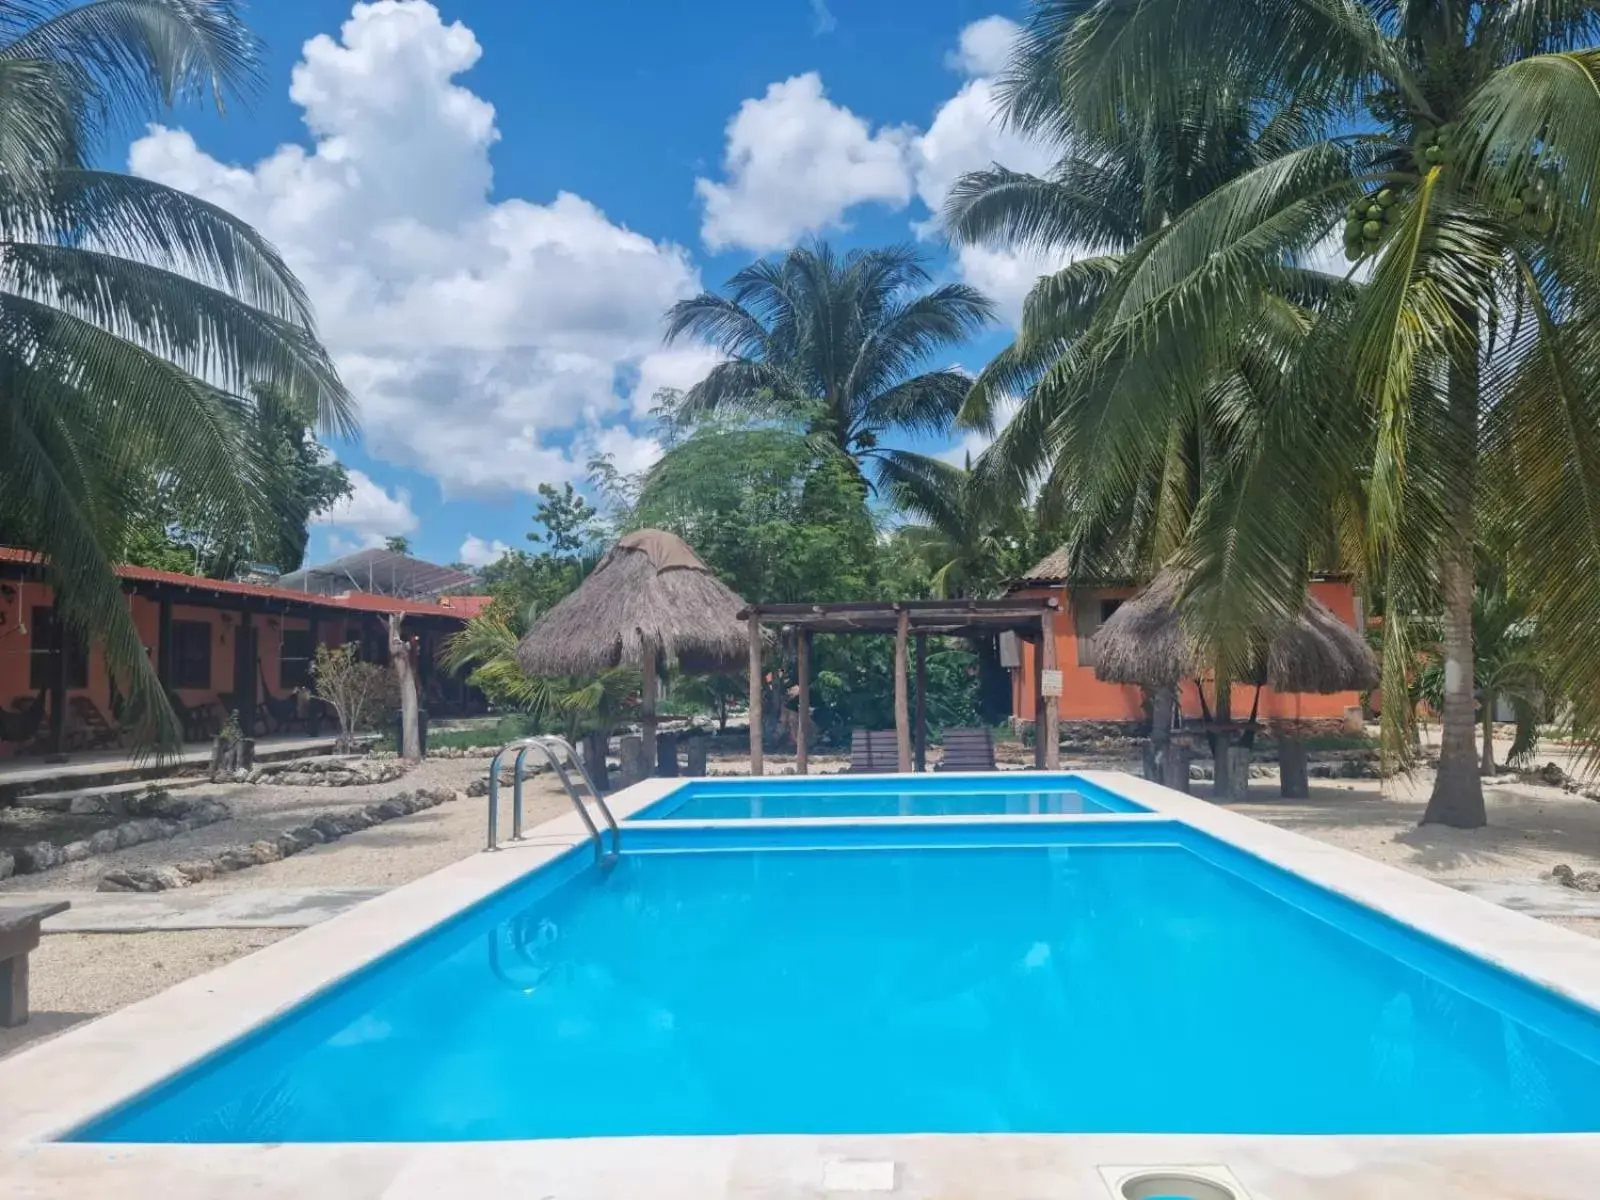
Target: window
pixel 294 669
pixel 191 654
pixel 1089 613
pixel 41 674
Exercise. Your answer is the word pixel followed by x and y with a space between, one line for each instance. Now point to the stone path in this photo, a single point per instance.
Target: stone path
pixel 128 912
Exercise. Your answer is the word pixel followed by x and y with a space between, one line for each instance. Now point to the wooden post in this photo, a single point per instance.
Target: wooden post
pixel 58 679
pixel 922 702
pixel 164 643
pixel 1293 778
pixel 1052 704
pixel 802 739
pixel 902 705
pixel 1038 700
pixel 405 672
pixel 244 674
pixel 647 706
pixel 756 765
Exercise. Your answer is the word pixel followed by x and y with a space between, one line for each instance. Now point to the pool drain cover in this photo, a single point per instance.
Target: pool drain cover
pixel 857 1175
pixel 1172 1183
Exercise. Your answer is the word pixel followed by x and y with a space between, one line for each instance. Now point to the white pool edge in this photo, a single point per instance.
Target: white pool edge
pixel 52 1088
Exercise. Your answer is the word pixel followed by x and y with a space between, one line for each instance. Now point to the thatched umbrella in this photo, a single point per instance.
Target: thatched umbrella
pixel 652 603
pixel 1144 642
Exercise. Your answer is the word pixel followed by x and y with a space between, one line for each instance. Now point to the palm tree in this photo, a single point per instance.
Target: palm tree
pixel 580 708
pixel 831 344
pixel 135 317
pixel 1136 472
pixel 1459 380
pixel 1506 667
pixel 973 541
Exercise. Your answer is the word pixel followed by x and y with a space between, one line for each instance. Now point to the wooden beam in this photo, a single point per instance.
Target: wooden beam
pixel 1052 704
pixel 902 714
pixel 647 707
pixel 802 742
pixel 754 622
pixel 922 702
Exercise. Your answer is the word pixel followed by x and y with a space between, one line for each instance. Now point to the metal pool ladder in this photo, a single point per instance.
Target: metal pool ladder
pixel 568 768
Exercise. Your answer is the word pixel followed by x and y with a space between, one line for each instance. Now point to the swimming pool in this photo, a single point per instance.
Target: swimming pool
pixel 1132 976
pixel 841 796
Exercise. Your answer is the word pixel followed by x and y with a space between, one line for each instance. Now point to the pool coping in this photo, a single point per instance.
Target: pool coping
pixel 51 1088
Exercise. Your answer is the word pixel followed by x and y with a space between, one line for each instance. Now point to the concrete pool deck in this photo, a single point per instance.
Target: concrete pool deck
pixel 54 1087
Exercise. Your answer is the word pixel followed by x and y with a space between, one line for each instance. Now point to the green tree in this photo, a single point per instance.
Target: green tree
pixel 1457 383
pixel 569 521
pixel 397 544
pixel 173 531
pixel 830 344
pixel 135 316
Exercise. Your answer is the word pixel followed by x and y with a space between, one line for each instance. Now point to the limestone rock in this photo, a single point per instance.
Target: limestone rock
pixel 104 842
pixel 198 871
pixel 8 865
pixel 1582 881
pixel 37 856
pixel 75 851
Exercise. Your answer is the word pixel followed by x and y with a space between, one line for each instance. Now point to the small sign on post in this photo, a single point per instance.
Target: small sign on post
pixel 1050 683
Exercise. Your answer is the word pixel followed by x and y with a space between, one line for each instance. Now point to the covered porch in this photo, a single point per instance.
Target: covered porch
pixel 910 622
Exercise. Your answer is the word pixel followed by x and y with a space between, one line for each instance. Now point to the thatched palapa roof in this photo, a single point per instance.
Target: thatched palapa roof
pixel 1144 642
pixel 649 591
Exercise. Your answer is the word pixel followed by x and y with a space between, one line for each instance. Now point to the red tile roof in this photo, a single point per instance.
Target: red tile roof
pixel 460 607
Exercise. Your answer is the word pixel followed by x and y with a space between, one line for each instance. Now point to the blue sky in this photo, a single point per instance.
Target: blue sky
pixel 492 201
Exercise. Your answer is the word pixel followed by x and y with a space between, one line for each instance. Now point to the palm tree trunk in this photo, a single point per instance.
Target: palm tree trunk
pixel 1457 797
pixel 1487 766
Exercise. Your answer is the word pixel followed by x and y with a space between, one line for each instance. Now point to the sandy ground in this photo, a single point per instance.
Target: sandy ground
pixel 78 976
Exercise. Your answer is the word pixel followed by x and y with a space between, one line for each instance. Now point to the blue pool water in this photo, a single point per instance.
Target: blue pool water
pixel 1119 977
pixel 841 796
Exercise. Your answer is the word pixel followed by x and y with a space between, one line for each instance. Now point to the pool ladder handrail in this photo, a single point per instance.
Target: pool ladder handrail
pixel 554 749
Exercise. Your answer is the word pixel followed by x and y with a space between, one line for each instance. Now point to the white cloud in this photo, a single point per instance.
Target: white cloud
pixel 476 552
pixel 966 134
pixel 369 514
pixel 482 340
pixel 795 163
pixel 630 452
pixel 984 46
pixel 822 18
pixel 680 366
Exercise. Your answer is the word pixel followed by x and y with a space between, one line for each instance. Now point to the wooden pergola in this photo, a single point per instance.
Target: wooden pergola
pixel 1032 619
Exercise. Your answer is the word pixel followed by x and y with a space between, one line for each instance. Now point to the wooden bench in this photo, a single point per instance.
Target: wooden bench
pixel 967 750
pixel 874 752
pixel 19 936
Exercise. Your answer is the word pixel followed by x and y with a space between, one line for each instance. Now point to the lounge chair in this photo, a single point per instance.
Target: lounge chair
pixel 874 752
pixel 967 750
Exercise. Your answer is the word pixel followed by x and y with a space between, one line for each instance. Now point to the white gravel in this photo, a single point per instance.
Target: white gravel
pixel 259 811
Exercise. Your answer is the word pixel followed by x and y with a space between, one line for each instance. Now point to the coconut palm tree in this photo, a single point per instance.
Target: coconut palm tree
pixel 1460 378
pixel 133 317
pixel 831 343
pixel 973 541
pixel 1135 471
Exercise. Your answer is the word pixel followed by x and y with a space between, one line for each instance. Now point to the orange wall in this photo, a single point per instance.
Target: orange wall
pixel 1085 698
pixel 15 648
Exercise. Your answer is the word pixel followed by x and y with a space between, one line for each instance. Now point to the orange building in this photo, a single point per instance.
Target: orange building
pixel 206 638
pixel 1084 606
